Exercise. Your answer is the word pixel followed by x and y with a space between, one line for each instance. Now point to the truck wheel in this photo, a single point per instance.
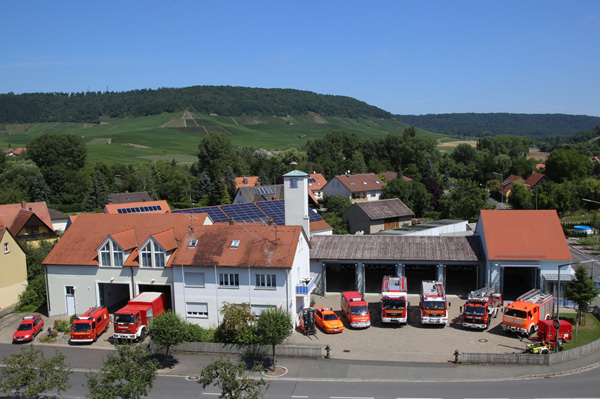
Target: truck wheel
pixel 531 331
pixel 561 342
pixel 142 336
pixel 95 337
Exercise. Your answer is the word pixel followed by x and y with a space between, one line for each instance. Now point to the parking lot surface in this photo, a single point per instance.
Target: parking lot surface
pixel 408 343
pixel 380 342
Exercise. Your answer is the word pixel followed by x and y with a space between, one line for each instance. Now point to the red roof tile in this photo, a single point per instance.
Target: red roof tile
pixel 524 235
pixel 246 181
pixel 361 182
pixel 260 245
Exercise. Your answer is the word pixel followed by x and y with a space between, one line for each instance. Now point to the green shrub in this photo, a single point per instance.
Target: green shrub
pixel 62 326
pixel 195 333
pixel 34 295
pixel 72 318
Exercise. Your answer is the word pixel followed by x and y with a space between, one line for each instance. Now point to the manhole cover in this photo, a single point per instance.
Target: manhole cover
pixel 483 340
pixel 192 378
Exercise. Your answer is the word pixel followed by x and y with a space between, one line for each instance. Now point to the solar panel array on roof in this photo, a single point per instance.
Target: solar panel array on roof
pixel 215 213
pixel 275 210
pixel 242 211
pixel 265 190
pixel 311 180
pixel 140 209
pixel 249 212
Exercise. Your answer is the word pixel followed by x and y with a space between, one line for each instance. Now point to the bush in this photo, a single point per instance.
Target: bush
pixel 34 295
pixel 195 333
pixel 62 326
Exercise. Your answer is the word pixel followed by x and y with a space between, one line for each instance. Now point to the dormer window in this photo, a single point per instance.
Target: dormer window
pixel 235 244
pixel 111 254
pixel 152 255
pixel 193 243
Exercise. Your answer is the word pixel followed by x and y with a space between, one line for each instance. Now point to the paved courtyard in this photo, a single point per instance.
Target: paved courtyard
pixel 409 343
pixel 412 342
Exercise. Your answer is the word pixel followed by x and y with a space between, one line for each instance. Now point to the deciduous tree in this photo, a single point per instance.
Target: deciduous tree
pixel 233 379
pixel 128 374
pixel 273 327
pixel 167 330
pixel 29 374
pixel 581 290
pixel 237 324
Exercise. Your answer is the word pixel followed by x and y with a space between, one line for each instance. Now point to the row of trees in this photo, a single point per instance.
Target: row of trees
pixel 55 170
pixel 128 373
pixel 480 125
pixel 222 100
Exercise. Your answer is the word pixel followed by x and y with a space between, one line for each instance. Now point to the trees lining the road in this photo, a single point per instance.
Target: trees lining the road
pixel 28 374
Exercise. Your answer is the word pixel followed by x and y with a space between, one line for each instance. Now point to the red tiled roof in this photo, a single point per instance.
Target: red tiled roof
pixel 13 216
pixel 319 182
pixel 260 245
pixel 361 182
pixel 507 184
pixel 246 181
pixel 533 180
pixel 524 235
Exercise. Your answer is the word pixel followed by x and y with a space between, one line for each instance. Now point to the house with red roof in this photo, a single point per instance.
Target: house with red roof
pixel 27 221
pixel 316 182
pixel 198 266
pixel 138 207
pixel 246 181
pixel 359 187
pixel 106 259
pixel 14 152
pixel 523 249
pixel 535 180
pixel 13 269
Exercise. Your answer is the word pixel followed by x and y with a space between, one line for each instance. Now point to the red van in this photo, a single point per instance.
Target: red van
pixel 355 309
pixel 88 326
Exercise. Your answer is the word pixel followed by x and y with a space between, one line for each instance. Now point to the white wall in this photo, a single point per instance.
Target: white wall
pixel 85 279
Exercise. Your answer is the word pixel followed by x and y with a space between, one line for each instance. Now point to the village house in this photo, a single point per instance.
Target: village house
pixel 197 264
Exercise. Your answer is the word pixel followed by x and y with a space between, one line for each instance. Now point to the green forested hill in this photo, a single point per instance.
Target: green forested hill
pixel 479 125
pixel 219 100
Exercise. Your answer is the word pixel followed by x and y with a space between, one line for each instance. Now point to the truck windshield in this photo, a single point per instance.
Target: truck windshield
pixel 81 327
pixel 394 304
pixel 521 314
pixel 124 319
pixel 474 311
pixel 434 305
pixel 359 310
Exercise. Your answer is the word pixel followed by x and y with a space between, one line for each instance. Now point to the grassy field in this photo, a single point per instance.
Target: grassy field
pixel 585 333
pixel 177 135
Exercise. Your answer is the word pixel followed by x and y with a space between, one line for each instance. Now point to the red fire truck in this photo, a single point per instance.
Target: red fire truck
pixel 88 326
pixel 394 301
pixel 481 306
pixel 434 307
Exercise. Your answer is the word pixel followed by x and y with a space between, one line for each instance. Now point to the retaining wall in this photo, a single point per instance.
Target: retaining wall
pixel 527 358
pixel 251 350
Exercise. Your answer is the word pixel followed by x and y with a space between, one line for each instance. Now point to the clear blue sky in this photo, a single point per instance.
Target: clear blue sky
pixel 406 57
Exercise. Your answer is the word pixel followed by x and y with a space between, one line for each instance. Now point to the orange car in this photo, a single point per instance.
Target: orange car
pixel 328 320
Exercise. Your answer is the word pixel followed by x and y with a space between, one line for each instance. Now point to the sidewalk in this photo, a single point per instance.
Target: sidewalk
pixel 354 370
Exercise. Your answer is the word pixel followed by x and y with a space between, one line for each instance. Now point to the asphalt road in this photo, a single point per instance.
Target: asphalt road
pixel 582 385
